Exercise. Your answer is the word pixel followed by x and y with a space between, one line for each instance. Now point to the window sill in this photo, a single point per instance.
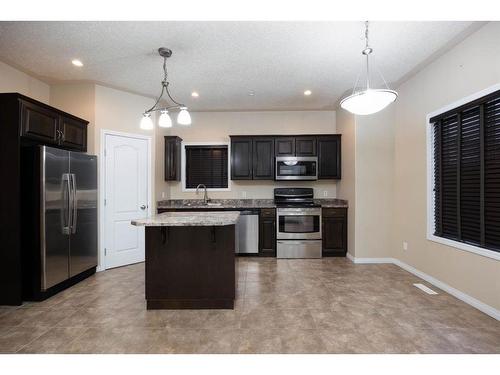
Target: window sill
pixel 189 190
pixel 465 247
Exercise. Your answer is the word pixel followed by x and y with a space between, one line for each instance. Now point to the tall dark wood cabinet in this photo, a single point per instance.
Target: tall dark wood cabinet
pixel 25 123
pixel 172 158
pixel 241 158
pixel 263 158
pixel 267 232
pixel 329 160
pixel 334 231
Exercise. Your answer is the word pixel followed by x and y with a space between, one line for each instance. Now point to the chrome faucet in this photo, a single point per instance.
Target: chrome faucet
pixel 206 199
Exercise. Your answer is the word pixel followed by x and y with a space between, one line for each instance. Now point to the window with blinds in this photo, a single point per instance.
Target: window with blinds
pixel 466 148
pixel 207 165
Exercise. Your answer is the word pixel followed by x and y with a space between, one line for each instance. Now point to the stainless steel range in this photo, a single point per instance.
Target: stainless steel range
pixel 298 229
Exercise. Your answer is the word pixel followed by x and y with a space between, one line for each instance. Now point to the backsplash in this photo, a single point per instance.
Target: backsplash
pixel 252 190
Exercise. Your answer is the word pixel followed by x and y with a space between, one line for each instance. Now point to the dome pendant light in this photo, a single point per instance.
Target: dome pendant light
pixel 369 100
pixel 165 121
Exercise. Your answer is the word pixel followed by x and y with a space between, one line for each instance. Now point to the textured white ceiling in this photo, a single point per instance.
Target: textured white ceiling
pixel 223 61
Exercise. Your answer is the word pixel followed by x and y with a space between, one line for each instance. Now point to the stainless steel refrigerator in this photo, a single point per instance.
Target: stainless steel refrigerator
pixel 68 214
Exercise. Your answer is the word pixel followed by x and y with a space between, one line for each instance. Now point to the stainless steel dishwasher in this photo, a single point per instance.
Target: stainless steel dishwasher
pixel 247 232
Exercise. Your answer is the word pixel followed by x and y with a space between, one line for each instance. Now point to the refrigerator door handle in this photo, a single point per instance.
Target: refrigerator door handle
pixel 65 209
pixel 74 203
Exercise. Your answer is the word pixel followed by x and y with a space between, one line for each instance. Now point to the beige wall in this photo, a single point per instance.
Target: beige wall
pixel 217 126
pixel 346 187
pixel 374 183
pixel 367 180
pixel 13 80
pixel 471 66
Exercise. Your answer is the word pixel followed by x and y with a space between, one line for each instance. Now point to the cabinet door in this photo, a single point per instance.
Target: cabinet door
pixel 241 158
pixel 73 133
pixel 285 146
pixel 39 123
pixel 263 158
pixel 305 146
pixel 334 232
pixel 267 233
pixel 329 157
pixel 172 159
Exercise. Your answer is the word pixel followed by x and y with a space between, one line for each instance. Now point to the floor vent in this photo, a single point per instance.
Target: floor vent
pixel 425 288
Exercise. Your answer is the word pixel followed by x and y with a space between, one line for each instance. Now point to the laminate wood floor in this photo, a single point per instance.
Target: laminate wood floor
pixel 282 306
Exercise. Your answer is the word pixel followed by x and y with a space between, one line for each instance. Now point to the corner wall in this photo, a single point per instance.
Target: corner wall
pixel 13 80
pixel 469 67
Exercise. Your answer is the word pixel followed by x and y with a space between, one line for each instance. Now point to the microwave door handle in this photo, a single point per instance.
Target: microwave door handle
pixel 74 203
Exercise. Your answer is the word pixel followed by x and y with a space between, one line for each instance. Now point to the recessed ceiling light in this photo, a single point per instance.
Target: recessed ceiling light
pixel 251 93
pixel 194 94
pixel 77 62
pixel 307 92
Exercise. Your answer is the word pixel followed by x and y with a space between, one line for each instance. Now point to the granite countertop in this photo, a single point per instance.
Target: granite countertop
pixel 185 219
pixel 239 203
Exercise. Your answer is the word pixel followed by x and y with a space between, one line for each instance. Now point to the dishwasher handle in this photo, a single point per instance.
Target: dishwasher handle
pixel 249 212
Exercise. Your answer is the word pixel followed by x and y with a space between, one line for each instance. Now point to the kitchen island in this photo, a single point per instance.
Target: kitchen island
pixel 190 260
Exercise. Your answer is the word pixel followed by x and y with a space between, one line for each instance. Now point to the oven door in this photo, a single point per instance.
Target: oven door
pixel 296 168
pixel 298 224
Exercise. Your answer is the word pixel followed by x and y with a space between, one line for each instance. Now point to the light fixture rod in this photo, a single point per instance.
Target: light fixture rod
pixel 165 53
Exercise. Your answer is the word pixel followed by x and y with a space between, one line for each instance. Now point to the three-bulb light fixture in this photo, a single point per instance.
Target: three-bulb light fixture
pixel 368 100
pixel 165 121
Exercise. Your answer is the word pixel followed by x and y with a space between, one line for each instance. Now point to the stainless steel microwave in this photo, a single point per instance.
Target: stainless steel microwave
pixel 296 168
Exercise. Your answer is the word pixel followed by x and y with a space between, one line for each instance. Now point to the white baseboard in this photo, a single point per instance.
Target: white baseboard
pixel 481 306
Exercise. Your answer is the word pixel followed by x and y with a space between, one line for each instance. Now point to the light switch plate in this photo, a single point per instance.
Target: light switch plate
pixel 405 245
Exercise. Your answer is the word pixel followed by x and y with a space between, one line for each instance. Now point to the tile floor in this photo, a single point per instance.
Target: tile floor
pixel 282 306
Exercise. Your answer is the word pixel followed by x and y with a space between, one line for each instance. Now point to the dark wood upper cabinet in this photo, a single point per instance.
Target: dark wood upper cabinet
pixel 334 231
pixel 267 232
pixel 253 157
pixel 39 123
pixel 241 158
pixel 329 165
pixel 50 126
pixel 263 158
pixel 73 133
pixel 172 158
pixel 285 146
pixel 305 146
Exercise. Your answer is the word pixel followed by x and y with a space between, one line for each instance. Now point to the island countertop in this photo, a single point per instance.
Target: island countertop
pixel 190 218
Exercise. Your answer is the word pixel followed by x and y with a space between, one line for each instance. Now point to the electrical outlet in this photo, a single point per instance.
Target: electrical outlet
pixel 243 194
pixel 163 195
pixel 405 245
pixel 325 193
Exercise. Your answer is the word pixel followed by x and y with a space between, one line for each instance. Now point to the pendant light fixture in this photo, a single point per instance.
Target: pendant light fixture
pixel 165 121
pixel 368 100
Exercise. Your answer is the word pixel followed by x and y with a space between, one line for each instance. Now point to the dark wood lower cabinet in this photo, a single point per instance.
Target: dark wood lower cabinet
pixel 334 231
pixel 190 267
pixel 267 232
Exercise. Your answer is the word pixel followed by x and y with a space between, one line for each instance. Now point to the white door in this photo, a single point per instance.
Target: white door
pixel 126 198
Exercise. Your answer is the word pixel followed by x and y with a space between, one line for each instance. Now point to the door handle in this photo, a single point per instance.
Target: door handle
pixel 67 204
pixel 75 201
pixel 143 207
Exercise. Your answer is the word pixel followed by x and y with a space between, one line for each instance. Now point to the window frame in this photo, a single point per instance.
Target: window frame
pixel 183 164
pixel 430 177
